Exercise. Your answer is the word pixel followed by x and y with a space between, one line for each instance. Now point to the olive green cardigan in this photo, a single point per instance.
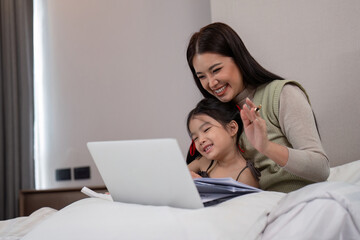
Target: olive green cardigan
pixel 273 177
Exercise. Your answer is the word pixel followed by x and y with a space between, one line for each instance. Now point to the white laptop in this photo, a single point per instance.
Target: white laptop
pixel 149 172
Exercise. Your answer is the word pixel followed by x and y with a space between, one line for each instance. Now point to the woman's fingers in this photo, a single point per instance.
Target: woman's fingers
pixel 250 114
pixel 250 103
pixel 245 116
pixel 254 125
pixel 250 110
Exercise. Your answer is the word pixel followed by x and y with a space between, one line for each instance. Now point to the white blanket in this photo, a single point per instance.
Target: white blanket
pixel 16 228
pixel 240 218
pixel 328 210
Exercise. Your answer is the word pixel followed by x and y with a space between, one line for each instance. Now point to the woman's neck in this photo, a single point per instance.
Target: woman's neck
pixel 248 92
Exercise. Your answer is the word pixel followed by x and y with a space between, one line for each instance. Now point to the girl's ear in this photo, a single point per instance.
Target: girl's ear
pixel 233 128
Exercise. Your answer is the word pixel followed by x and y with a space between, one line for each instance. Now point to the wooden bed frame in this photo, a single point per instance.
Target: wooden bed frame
pixel 32 200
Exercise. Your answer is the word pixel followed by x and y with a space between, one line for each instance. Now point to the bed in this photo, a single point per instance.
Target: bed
pixel 327 210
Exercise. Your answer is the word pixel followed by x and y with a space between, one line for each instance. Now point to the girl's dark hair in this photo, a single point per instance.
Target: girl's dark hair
pixel 223 112
pixel 221 39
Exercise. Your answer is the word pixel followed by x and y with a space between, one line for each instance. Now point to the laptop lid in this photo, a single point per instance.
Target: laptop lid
pixel 150 172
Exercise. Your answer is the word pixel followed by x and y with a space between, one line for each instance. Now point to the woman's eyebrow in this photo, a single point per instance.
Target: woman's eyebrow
pixel 213 66
pixel 210 68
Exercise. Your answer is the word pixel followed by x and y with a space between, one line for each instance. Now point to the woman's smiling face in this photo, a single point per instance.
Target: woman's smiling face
pixel 219 75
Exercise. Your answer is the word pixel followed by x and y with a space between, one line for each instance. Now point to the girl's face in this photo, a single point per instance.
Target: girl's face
pixel 212 139
pixel 219 75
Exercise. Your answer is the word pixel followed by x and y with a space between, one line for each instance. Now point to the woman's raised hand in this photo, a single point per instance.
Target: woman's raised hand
pixel 254 126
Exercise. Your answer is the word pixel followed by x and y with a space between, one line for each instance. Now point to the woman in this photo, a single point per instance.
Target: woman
pixel 282 138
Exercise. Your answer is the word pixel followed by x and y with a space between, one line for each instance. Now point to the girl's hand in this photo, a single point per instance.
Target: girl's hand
pixel 194 175
pixel 254 126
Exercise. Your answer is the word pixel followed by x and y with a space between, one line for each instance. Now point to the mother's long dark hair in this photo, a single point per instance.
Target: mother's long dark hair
pixel 221 39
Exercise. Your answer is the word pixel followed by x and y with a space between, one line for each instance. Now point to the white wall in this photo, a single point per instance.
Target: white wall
pixel 111 70
pixel 316 43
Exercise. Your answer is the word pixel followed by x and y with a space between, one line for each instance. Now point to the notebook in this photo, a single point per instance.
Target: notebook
pixel 148 171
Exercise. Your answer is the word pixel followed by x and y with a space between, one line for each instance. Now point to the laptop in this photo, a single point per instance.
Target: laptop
pixel 149 172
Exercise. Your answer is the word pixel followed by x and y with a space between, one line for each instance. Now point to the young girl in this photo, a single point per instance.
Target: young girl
pixel 215 128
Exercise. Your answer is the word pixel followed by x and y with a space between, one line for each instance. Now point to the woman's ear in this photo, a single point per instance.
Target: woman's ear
pixel 233 128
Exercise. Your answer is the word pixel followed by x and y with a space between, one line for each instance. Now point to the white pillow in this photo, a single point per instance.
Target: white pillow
pixel 243 217
pixel 349 172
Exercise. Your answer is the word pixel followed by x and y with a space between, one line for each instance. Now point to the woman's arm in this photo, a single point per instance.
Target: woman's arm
pixel 307 158
pixel 256 132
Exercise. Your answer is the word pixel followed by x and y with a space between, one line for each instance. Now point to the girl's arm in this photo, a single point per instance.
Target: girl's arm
pixel 194 167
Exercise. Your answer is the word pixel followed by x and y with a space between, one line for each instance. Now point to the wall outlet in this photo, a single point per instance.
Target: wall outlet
pixel 63 174
pixel 82 173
